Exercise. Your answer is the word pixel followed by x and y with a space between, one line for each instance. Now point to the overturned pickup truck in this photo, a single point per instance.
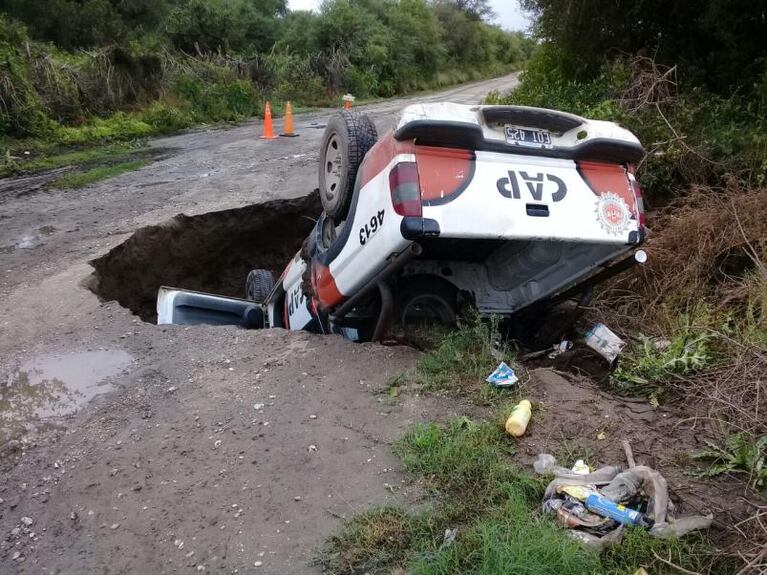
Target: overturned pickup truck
pixel 497 207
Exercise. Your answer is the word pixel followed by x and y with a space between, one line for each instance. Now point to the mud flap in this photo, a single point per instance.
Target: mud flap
pixel 184 307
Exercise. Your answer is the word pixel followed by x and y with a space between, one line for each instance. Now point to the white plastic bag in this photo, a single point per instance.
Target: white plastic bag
pixel 602 340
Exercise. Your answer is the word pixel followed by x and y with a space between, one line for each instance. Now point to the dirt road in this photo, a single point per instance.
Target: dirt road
pixel 212 449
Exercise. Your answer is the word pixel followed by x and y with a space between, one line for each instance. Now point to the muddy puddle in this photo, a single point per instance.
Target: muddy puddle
pixel 210 252
pixel 54 386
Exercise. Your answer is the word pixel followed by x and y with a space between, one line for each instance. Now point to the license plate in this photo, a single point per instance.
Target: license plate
pixel 528 137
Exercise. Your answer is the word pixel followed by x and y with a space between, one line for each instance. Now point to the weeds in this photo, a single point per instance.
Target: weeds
pixel 740 454
pixel 45 160
pixel 650 362
pixel 461 360
pixel 82 179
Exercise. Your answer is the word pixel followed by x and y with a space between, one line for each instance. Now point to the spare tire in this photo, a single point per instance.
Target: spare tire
pixel 259 285
pixel 348 137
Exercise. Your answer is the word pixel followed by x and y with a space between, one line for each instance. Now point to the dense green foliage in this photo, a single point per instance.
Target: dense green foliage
pixel 167 64
pixel 718 43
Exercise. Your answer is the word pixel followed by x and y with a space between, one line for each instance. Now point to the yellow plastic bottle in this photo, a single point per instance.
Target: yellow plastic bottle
pixel 517 422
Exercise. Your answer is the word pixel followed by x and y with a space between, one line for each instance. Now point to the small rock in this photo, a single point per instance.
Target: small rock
pixel 258 406
pixel 311 448
pixel 258 563
pixel 114 526
pixel 312 416
pixel 27 521
pixel 297 498
pixel 172 388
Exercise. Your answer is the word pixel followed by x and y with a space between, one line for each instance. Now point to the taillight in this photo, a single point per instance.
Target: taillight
pixel 405 191
pixel 444 173
pixel 611 178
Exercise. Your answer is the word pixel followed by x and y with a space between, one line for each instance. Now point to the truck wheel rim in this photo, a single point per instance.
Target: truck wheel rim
pixel 333 164
pixel 427 309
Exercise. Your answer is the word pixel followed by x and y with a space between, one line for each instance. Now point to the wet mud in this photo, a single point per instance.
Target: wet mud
pixel 210 252
pixel 54 386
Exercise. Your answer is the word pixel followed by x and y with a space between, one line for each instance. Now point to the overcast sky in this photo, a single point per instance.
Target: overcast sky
pixel 509 14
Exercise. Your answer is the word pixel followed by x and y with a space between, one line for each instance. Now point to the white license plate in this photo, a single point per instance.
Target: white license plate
pixel 528 137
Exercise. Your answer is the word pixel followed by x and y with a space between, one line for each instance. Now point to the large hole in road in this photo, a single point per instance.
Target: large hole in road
pixel 210 252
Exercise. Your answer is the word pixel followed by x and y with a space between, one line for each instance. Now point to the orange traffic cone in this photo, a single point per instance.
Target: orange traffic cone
pixel 288 124
pixel 348 99
pixel 268 129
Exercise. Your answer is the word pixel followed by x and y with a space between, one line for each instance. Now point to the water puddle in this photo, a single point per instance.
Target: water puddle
pixel 55 386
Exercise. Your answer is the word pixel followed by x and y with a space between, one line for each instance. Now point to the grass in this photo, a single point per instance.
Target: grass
pixel 88 177
pixel 460 360
pixel 467 468
pixel 40 159
pixel 740 454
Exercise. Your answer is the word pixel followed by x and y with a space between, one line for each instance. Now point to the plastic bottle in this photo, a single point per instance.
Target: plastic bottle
pixel 600 505
pixel 517 422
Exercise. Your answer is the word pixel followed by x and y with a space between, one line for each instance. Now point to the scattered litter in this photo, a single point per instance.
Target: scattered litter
pixel 517 422
pixel 595 506
pixel 503 376
pixel 604 342
pixel 449 538
pixel 601 436
pixel 581 468
pixel 562 347
pixel 544 463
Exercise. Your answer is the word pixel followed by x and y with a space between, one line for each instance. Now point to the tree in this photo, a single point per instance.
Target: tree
pixel 721 43
pixel 475 9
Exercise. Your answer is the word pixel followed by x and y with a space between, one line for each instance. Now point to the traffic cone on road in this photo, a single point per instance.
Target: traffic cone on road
pixel 268 128
pixel 287 128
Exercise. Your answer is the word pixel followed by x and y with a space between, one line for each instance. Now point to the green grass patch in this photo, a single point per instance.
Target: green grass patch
pixel 40 159
pixel 461 359
pixel 88 177
pixel 468 469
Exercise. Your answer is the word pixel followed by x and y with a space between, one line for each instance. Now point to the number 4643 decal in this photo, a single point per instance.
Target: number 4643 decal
pixel 371 227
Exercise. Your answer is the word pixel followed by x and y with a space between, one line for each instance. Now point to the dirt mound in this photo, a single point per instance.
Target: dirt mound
pixel 210 252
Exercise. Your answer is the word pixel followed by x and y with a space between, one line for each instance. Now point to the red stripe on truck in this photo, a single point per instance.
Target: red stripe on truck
pixel 379 156
pixel 325 286
pixel 603 178
pixel 443 173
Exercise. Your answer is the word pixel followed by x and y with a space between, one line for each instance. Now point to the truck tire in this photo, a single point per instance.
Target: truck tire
pixel 426 300
pixel 348 137
pixel 259 285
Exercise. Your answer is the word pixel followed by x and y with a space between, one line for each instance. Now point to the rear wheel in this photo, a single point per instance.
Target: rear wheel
pixel 347 139
pixel 259 285
pixel 424 301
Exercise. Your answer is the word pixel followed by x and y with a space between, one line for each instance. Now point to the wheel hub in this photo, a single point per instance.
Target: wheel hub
pixel 333 164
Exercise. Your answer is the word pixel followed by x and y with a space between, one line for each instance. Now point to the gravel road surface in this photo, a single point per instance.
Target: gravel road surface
pixel 129 448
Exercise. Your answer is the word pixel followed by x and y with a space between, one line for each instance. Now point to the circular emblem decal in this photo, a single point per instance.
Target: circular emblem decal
pixel 613 213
